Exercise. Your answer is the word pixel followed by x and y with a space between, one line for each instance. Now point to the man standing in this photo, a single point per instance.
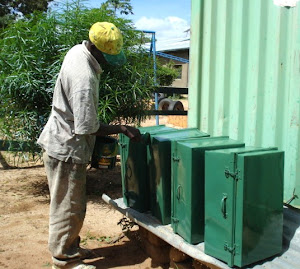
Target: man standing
pixel 69 136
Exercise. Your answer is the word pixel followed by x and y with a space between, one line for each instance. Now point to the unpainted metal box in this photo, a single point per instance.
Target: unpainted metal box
pixel 187 196
pixel 134 168
pixel 243 204
pixel 160 170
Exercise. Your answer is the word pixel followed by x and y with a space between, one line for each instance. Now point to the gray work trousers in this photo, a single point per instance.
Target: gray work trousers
pixel 67 185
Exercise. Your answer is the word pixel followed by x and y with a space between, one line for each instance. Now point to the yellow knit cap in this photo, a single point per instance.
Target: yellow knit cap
pixel 106 37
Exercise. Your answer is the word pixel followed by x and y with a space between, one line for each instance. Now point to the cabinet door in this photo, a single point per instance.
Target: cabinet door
pixel 160 179
pixel 160 170
pixel 219 205
pixel 134 168
pixel 124 146
pixel 181 172
pixel 259 217
pixel 136 179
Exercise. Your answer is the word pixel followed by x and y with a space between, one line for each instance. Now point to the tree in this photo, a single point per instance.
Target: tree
pixel 123 6
pixel 10 9
pixel 32 50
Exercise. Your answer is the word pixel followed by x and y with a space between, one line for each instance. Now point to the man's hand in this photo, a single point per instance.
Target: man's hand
pixel 133 133
pixel 106 129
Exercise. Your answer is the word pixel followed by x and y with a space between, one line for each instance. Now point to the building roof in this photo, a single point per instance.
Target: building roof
pixel 170 45
pixel 173 44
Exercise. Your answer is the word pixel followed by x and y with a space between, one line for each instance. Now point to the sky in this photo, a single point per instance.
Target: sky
pixel 169 19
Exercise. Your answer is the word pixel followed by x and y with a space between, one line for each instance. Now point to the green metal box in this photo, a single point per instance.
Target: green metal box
pixel 160 170
pixel 187 195
pixel 243 204
pixel 134 168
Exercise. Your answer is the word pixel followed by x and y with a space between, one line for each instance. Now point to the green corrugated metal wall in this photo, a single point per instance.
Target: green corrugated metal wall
pixel 245 76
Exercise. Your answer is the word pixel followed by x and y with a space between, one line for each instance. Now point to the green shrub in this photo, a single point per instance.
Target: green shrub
pixel 32 50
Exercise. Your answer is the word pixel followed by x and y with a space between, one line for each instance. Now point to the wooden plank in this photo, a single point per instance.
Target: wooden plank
pixel 172 90
pixel 167 112
pixel 164 232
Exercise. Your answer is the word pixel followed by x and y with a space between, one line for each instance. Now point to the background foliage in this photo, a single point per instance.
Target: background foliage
pixel 32 50
pixel 123 6
pixel 11 9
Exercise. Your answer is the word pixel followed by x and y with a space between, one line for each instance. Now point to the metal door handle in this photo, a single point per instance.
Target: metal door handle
pixel 178 192
pixel 223 206
pixel 128 171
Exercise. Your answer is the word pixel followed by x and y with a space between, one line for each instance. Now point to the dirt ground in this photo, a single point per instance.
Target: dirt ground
pixel 24 205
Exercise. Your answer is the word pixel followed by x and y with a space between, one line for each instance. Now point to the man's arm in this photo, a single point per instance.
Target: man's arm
pixel 105 129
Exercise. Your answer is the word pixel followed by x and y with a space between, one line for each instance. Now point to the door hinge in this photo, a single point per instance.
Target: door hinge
pixel 176 159
pixel 230 174
pixel 229 249
pixel 175 220
pixel 123 145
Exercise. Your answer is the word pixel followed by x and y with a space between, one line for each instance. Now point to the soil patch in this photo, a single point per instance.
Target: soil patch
pixel 24 205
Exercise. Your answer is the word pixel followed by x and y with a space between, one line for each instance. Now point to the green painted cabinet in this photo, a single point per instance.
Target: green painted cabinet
pixel 160 170
pixel 243 204
pixel 187 197
pixel 134 168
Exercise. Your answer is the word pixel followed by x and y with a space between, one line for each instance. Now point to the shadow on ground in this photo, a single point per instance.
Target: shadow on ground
pixel 98 182
pixel 120 255
pixel 106 181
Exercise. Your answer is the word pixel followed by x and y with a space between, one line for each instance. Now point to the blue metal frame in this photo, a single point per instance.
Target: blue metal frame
pixel 165 55
pixel 172 57
pixel 153 50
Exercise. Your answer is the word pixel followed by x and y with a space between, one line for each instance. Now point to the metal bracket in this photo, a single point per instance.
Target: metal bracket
pixel 295 196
